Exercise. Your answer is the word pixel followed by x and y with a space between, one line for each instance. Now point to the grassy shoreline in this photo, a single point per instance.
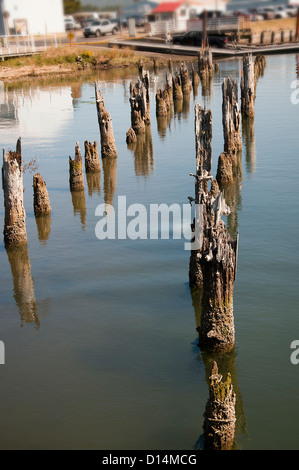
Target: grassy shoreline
pixel 65 60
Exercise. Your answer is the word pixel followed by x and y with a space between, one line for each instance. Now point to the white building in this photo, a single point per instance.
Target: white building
pixel 31 17
pixel 174 15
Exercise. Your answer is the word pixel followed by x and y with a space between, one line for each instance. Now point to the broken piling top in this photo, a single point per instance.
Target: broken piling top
pixel 108 148
pixel 76 170
pixel 41 200
pixel 91 157
pixel 12 183
pixel 248 86
pixel 231 116
pixel 185 79
pixel 220 414
pixel 205 63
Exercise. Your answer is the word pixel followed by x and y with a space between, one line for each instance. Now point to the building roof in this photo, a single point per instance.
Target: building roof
pixel 167 7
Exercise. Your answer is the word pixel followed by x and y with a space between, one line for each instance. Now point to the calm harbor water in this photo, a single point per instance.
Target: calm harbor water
pixel 100 336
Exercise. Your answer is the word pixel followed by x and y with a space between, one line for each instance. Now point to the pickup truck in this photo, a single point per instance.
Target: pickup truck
pixel 100 28
pixel 194 38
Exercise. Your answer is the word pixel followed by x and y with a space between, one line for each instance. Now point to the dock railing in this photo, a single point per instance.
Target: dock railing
pixel 18 45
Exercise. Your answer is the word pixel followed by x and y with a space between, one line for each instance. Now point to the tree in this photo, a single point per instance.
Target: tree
pixel 71 6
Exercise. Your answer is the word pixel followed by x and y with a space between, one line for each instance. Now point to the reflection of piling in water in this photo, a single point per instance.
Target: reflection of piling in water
pixel 23 284
pixel 79 205
pixel 143 152
pixel 43 224
pixel 41 202
pixel 248 86
pixel 220 415
pixel 110 179
pixel 248 133
pixel 91 157
pixel 226 363
pixel 108 148
pixel 259 67
pixel 76 171
pixel 12 183
pixel 93 183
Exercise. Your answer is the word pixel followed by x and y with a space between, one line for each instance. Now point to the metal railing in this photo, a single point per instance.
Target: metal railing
pixel 231 24
pixel 17 45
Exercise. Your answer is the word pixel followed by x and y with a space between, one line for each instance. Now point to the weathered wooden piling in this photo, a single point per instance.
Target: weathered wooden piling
pixel 225 169
pixel 213 264
pixel 12 183
pixel 205 63
pixel 203 139
pixel 91 157
pixel 161 103
pixel 185 79
pixel 131 136
pixel 218 264
pixel 76 170
pixel 220 414
pixel 195 77
pixel 177 87
pixel 248 86
pixel 41 201
pixel 108 147
pixel 139 107
pixel 231 116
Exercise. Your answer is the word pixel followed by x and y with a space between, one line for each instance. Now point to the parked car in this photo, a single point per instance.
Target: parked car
pixel 291 10
pixel 281 12
pixel 139 20
pixel 71 25
pixel 255 14
pixel 194 38
pixel 100 28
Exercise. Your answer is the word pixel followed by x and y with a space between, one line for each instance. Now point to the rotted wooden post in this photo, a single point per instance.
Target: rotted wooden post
pixel 218 263
pixel 41 201
pixel 91 157
pixel 205 64
pixel 138 102
pixel 248 87
pixel 220 413
pixel 161 103
pixel 231 116
pixel 145 78
pixel 108 148
pixel 12 183
pixel 76 171
pixel 185 79
pixel 203 139
pixel 177 87
pixel 195 77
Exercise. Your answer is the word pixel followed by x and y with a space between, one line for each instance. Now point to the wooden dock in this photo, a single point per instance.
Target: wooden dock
pixel 231 51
